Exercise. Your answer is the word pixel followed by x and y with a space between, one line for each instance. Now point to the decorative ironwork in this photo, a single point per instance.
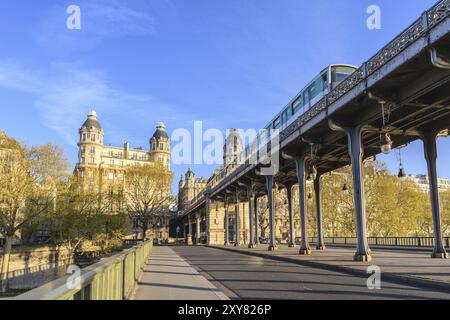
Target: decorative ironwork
pixel 438 13
pixel 315 110
pixel 345 86
pixel 294 126
pixel 394 48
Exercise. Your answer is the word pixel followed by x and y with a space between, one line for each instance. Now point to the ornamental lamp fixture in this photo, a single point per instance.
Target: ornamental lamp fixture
pixel 312 172
pixel 385 143
pixel 401 172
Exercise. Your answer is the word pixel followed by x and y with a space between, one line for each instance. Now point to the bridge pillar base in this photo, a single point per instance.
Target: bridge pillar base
pixel 272 248
pixel 362 257
pixel 291 245
pixel 304 251
pixel 321 247
pixel 439 255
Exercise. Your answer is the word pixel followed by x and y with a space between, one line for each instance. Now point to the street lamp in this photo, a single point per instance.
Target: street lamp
pixel 401 171
pixel 385 143
pixel 312 172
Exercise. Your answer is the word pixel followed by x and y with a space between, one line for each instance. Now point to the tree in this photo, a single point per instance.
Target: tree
pixel 147 194
pixel 84 212
pixel 29 180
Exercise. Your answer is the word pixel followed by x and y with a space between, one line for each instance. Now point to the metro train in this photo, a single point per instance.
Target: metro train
pixel 315 90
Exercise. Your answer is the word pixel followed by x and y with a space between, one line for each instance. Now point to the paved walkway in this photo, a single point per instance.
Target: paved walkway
pixel 411 267
pixel 167 276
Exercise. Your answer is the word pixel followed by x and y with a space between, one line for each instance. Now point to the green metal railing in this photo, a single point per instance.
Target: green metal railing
pixel 386 241
pixel 112 278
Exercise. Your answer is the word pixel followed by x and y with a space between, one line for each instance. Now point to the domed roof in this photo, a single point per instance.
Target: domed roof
pixel 92 121
pixel 160 132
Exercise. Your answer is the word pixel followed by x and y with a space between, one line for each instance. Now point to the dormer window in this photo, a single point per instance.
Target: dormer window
pixel 84 137
pixel 93 138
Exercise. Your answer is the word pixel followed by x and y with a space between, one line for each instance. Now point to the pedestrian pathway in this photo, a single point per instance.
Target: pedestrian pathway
pixel 166 276
pixel 409 267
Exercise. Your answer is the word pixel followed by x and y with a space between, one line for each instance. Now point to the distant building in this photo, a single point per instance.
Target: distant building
pixel 423 184
pixel 189 188
pixel 110 163
pixel 232 147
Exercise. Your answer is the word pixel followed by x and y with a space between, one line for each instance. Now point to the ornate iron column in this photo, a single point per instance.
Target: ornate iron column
pixel 300 163
pixel 269 186
pixel 291 216
pixel 320 242
pixel 189 237
pixel 356 151
pixel 249 187
pixel 227 222
pixel 430 148
pixel 197 229
pixel 207 216
pixel 255 208
pixel 236 218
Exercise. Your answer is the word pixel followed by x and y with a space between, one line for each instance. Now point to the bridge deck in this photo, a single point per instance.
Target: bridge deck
pixel 414 267
pixel 167 276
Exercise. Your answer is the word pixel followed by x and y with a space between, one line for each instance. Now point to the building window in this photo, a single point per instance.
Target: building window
pixel 93 138
pixel 92 149
pixel 84 136
pixel 110 153
pixel 83 149
pixel 92 160
pixel 111 176
pixel 111 162
pixel 83 160
pixel 135 156
pixel 161 146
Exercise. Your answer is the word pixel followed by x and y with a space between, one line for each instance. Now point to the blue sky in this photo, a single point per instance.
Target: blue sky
pixel 229 63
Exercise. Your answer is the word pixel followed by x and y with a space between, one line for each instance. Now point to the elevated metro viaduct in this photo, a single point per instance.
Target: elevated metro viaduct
pixel 410 77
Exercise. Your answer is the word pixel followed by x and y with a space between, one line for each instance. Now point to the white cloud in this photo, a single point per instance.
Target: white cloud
pixel 100 19
pixel 64 93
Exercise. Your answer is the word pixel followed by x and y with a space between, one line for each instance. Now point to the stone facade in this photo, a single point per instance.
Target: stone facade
pixel 102 164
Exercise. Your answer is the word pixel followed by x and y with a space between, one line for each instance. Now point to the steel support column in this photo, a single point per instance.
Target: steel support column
pixel 227 222
pixel 269 186
pixel 291 216
pixel 255 209
pixel 189 236
pixel 197 229
pixel 430 148
pixel 249 188
pixel 237 241
pixel 356 151
pixel 304 246
pixel 320 242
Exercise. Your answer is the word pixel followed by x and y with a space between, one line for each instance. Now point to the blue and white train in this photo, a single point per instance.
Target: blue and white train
pixel 321 85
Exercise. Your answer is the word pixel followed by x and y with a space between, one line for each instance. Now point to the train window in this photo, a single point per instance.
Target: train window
pixel 285 116
pixel 306 97
pixel 339 74
pixel 312 91
pixel 277 123
pixel 297 104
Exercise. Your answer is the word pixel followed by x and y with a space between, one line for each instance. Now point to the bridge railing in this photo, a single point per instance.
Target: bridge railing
pixel 386 241
pixel 112 278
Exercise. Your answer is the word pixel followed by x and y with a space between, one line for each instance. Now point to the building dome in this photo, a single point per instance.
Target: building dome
pixel 160 132
pixel 92 121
